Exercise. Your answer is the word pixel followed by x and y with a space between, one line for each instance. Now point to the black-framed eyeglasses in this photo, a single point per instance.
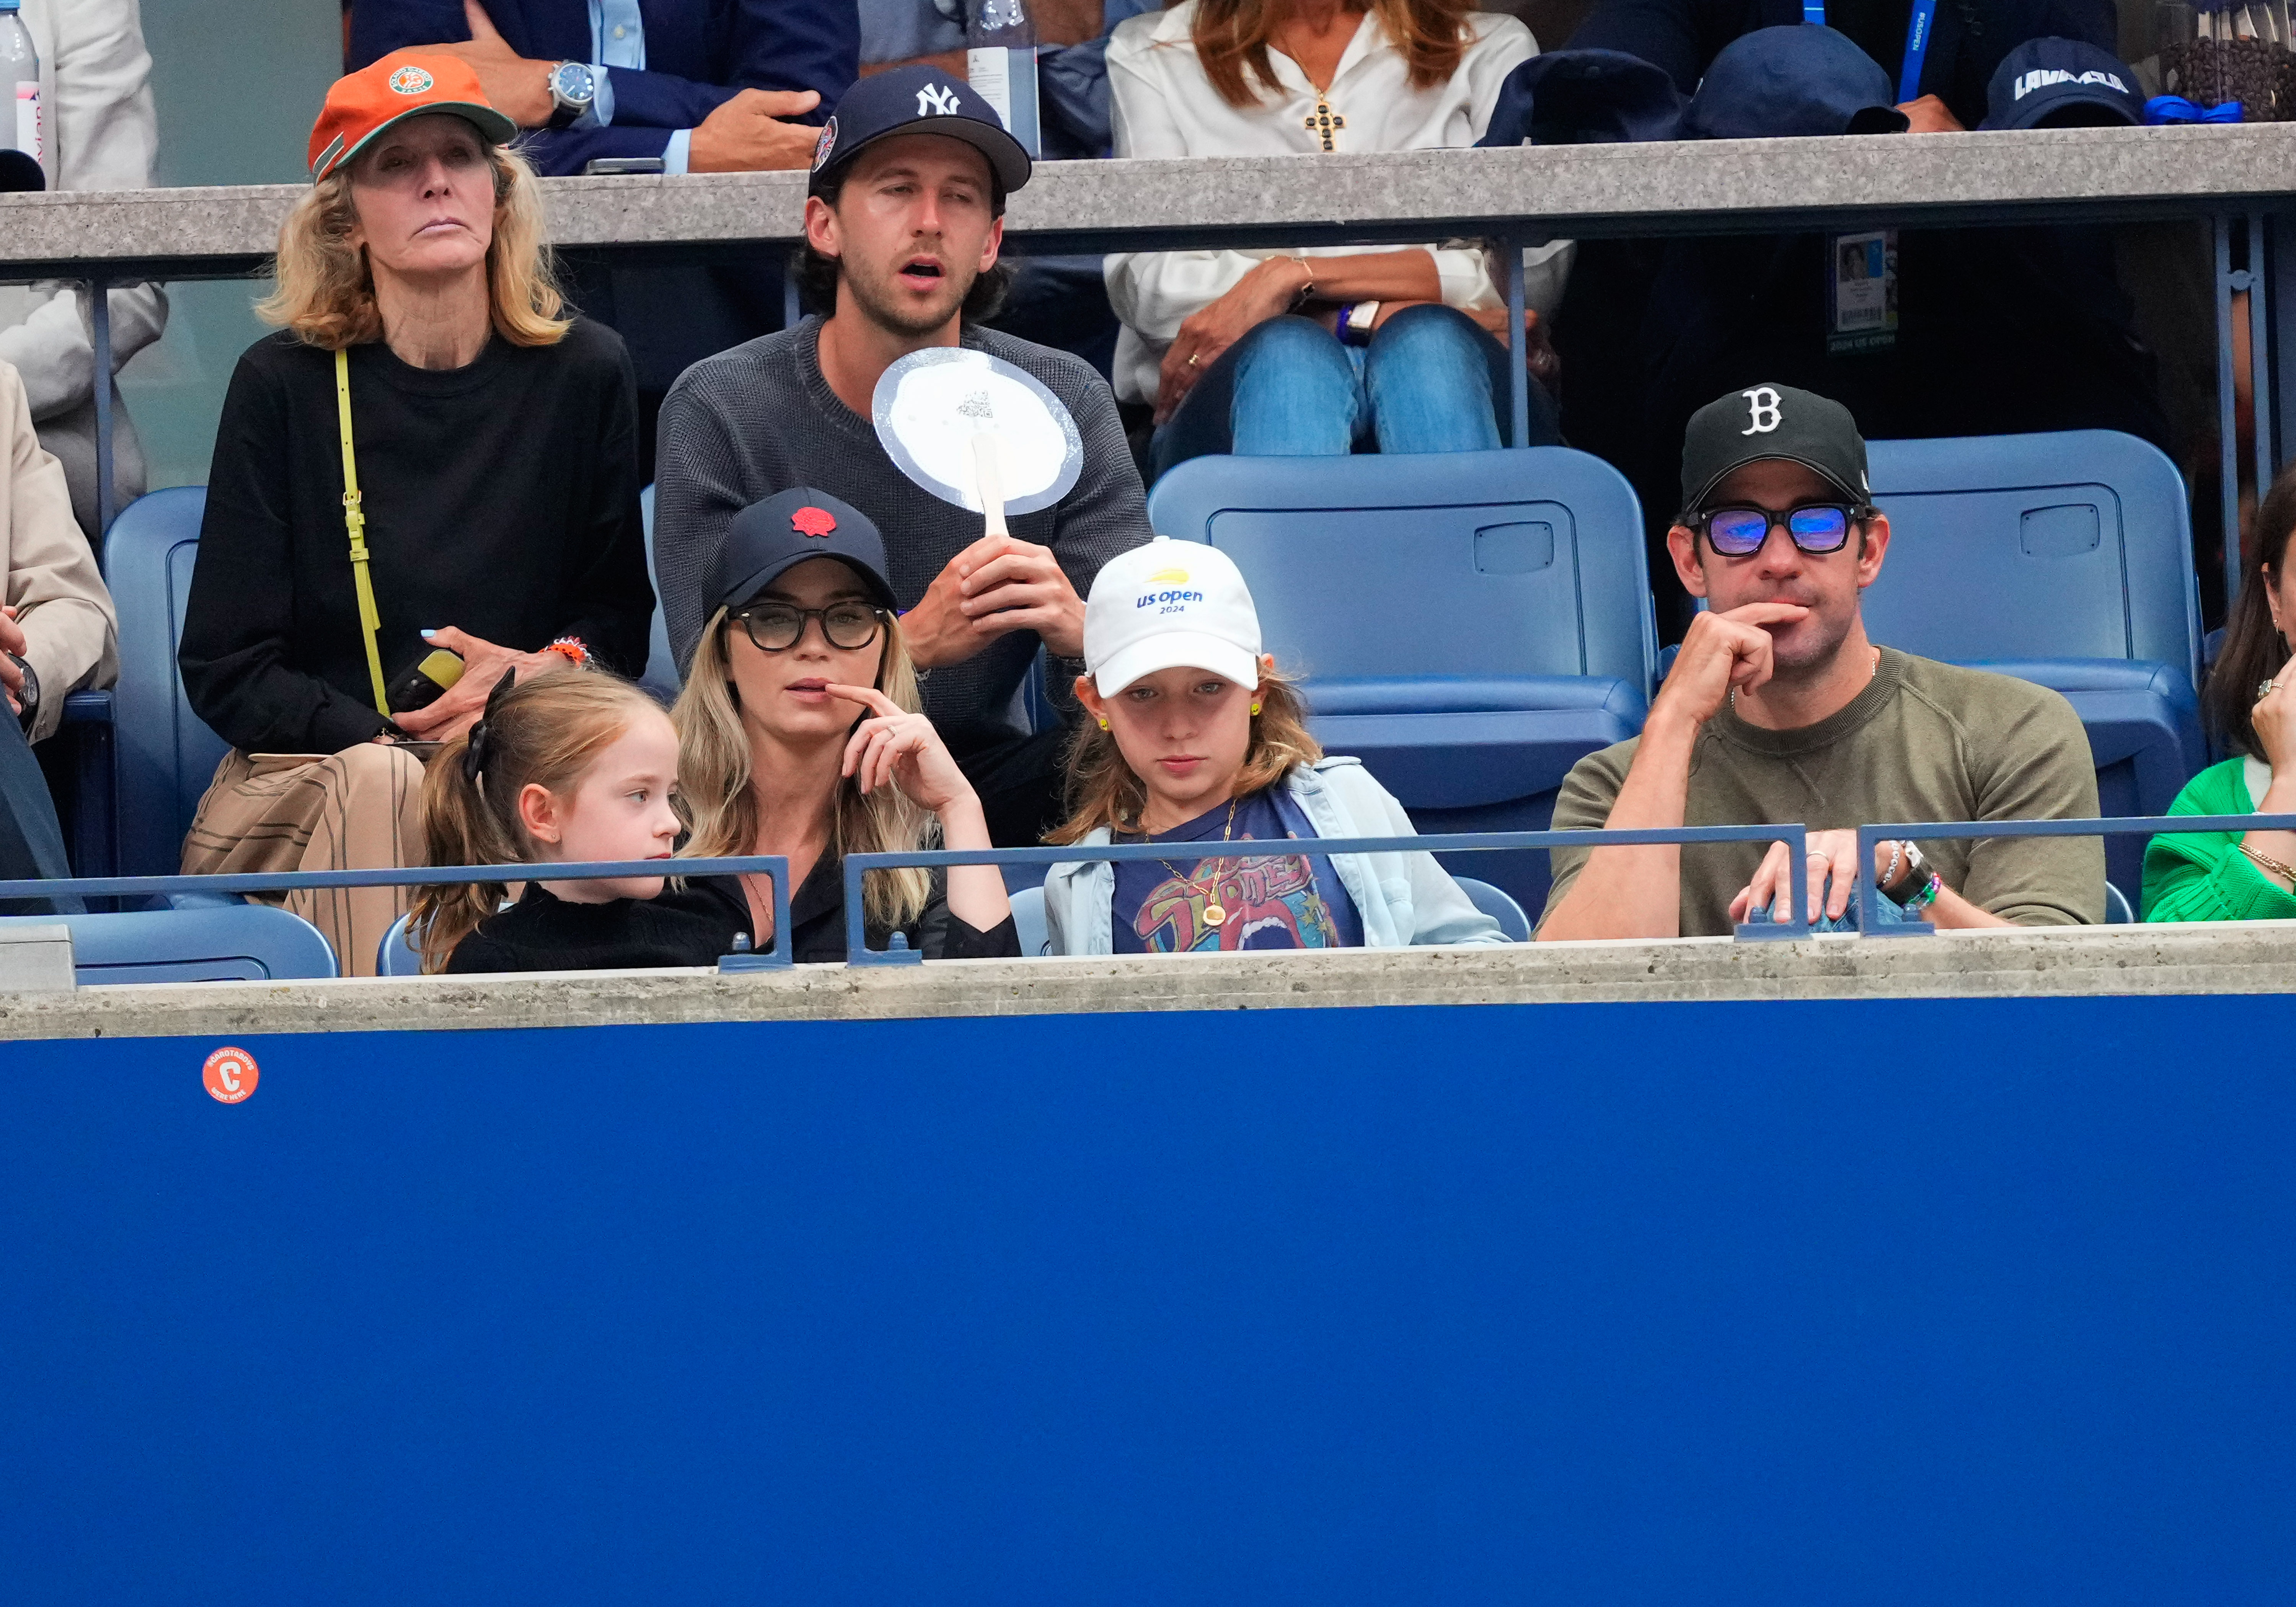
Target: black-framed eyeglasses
pixel 1740 530
pixel 776 626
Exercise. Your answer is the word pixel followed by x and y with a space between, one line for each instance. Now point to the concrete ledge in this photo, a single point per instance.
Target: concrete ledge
pixel 2231 957
pixel 1575 190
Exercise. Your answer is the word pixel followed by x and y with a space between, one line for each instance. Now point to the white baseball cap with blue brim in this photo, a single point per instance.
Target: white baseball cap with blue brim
pixel 1169 605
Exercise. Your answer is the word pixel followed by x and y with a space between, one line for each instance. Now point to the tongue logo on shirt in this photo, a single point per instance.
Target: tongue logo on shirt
pixel 814 522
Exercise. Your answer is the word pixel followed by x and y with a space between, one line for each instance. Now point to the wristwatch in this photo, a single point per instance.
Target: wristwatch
pixel 573 86
pixel 1911 881
pixel 29 697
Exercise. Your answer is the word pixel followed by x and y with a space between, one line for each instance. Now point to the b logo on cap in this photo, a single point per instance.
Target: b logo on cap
pixel 1762 406
pixel 411 80
pixel 936 100
pixel 814 522
pixel 826 143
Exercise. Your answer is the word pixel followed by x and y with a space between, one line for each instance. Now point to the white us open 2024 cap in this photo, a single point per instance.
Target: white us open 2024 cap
pixel 1169 604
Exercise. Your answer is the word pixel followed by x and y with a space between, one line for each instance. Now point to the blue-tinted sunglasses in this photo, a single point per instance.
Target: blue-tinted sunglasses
pixel 1738 531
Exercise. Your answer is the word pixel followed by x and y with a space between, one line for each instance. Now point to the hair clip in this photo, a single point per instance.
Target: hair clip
pixel 475 756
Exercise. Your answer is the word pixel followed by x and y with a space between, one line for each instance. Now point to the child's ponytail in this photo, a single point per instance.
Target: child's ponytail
pixel 543 732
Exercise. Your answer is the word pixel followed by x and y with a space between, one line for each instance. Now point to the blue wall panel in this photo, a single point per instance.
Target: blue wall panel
pixel 1886 1302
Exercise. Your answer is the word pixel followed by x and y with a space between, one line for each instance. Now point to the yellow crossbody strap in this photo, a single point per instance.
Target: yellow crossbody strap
pixel 355 522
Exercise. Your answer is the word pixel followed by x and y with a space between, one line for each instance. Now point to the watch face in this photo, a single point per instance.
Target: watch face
pixel 573 82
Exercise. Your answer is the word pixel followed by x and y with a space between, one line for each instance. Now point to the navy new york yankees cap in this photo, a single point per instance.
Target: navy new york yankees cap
pixel 919 99
pixel 1771 420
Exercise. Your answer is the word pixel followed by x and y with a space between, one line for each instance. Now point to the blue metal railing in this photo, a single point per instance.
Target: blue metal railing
pixel 1948 831
pixel 775 866
pixel 858 865
pixel 858 951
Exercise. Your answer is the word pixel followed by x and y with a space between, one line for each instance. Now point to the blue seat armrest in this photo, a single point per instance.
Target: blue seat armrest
pixel 87 708
pixel 1472 694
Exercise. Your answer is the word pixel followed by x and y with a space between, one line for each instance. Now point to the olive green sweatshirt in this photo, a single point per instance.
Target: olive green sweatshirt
pixel 1923 741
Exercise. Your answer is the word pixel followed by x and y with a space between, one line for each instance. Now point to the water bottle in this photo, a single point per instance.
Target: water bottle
pixel 19 71
pixel 1000 62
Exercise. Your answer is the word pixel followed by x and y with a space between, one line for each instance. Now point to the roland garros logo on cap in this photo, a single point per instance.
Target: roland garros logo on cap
pixel 1175 596
pixel 410 80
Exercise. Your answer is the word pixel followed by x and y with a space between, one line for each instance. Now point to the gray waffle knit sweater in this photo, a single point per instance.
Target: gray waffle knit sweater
pixel 759 419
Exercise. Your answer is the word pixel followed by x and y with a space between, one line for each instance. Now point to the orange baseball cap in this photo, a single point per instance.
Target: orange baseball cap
pixel 369 100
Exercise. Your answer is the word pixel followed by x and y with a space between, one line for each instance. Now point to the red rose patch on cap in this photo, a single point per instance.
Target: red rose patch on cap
pixel 816 523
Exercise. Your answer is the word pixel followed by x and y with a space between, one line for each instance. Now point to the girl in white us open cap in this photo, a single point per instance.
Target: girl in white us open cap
pixel 1195 741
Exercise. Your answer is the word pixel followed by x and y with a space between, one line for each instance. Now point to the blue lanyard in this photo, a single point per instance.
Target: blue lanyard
pixel 1917 41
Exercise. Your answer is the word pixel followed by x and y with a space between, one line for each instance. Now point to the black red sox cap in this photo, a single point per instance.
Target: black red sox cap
pixel 1771 420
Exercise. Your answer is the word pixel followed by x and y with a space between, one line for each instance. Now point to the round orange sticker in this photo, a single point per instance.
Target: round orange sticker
pixel 230 1075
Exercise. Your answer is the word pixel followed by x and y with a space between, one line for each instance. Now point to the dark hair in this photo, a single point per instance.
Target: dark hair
pixel 2253 650
pixel 816 274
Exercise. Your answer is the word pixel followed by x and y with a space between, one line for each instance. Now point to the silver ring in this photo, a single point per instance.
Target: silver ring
pixel 2264 689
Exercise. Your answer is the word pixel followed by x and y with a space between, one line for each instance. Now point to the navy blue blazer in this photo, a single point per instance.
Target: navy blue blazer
pixel 699 54
pixel 1967 44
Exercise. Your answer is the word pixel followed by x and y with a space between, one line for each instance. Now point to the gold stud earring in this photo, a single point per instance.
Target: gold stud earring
pixel 1103 722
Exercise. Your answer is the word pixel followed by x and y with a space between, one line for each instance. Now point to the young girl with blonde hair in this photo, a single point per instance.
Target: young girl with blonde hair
pixel 1197 742
pixel 572 766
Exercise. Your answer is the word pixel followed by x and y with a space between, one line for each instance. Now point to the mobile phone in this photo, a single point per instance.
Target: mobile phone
pixel 423 682
pixel 606 165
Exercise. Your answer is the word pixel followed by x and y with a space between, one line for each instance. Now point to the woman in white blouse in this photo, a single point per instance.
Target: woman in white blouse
pixel 1272 353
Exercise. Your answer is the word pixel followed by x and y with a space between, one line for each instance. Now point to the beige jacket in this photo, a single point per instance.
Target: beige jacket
pixel 51 578
pixel 102 134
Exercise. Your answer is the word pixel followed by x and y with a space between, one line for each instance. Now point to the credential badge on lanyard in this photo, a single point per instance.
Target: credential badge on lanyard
pixel 1861 270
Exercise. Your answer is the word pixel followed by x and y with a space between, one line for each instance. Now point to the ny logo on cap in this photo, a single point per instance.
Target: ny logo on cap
pixel 936 100
pixel 1762 410
pixel 815 522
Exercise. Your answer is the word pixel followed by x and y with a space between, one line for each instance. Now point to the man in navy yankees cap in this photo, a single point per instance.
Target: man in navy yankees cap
pixel 903 220
pixel 1780 708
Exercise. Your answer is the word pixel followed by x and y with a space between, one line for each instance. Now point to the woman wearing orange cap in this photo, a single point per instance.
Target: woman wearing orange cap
pixel 429 473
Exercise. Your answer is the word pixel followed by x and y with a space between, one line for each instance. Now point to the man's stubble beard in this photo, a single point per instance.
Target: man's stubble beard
pixel 881 305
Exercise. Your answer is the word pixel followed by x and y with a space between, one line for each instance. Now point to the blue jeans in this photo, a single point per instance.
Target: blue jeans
pixel 1885 910
pixel 1431 380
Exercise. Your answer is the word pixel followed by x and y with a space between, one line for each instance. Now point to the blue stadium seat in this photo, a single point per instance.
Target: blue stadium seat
pixel 165 755
pixel 396 956
pixel 1499 906
pixel 226 943
pixel 2065 560
pixel 1029 921
pixel 1469 624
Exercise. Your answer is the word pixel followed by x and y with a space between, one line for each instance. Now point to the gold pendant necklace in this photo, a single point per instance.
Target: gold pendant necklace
pixel 1215 912
pixel 1326 122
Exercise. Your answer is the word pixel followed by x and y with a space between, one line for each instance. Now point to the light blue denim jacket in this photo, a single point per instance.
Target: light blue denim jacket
pixel 1402 899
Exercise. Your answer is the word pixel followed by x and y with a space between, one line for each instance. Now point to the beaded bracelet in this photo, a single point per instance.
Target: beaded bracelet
pixel 1927 896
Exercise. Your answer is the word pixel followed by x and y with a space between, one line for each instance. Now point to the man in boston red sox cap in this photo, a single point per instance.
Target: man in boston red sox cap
pixel 1779 708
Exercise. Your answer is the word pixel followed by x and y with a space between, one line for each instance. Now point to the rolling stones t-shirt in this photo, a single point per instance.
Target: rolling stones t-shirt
pixel 1205 895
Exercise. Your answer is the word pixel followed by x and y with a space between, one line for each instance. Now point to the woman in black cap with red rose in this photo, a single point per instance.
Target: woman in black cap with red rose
pixel 802 638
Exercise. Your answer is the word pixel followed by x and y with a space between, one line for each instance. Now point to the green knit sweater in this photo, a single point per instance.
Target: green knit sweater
pixel 2203 875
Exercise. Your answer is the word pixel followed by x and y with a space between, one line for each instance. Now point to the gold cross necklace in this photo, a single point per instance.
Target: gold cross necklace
pixel 1325 121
